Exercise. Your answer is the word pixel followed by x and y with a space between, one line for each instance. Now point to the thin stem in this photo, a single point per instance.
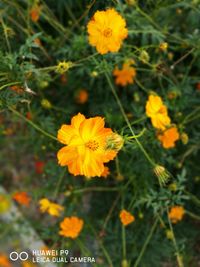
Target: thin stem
pixel 146 243
pixel 178 256
pixel 192 215
pixel 59 183
pixel 97 189
pixel 127 120
pixel 32 124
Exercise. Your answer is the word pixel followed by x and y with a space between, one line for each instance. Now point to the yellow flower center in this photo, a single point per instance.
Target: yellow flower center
pixel 107 32
pixel 93 145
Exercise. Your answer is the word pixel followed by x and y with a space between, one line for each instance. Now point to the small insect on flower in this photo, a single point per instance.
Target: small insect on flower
pixel 124 76
pixel 157 111
pixel 71 227
pixel 169 137
pixel 107 29
pixel 87 146
pixel 176 214
pixel 22 198
pixel 50 207
pixel 126 217
pixel 82 96
pixel 63 66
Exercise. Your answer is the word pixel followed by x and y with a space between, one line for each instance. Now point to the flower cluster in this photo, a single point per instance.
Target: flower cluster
pixel 157 111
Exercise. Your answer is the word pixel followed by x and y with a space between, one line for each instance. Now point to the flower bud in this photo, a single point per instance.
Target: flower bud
pixel 162 174
pixel 184 138
pixel 46 104
pixel 114 142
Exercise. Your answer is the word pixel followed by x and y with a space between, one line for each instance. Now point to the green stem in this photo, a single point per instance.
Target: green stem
pixel 178 256
pixel 127 120
pixel 32 124
pixel 146 243
pixel 192 215
pixel 9 84
pixel 59 183
pixel 97 189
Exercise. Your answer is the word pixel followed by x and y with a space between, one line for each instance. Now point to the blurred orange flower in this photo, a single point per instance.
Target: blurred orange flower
pixel 22 198
pixel 35 12
pixel 87 149
pixel 82 96
pixel 71 227
pixel 125 75
pixel 107 29
pixel 50 207
pixel 157 111
pixel 16 88
pixel 28 264
pixel 169 137
pixel 126 217
pixel 4 261
pixel 176 214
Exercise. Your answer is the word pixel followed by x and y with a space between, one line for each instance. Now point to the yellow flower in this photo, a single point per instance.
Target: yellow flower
pixel 184 138
pixel 52 208
pixel 176 213
pixel 126 217
pixel 107 29
pixel 86 150
pixel 157 111
pixel 71 227
pixel 125 75
pixel 169 137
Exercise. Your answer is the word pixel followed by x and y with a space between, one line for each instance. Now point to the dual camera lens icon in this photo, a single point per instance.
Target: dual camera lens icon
pixel 14 256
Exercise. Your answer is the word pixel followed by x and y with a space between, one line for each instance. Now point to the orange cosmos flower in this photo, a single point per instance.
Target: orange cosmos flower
pixel 35 12
pixel 169 137
pixel 16 88
pixel 50 207
pixel 82 96
pixel 4 262
pixel 88 146
pixel 71 227
pixel 107 29
pixel 176 213
pixel 22 198
pixel 157 111
pixel 126 217
pixel 125 75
